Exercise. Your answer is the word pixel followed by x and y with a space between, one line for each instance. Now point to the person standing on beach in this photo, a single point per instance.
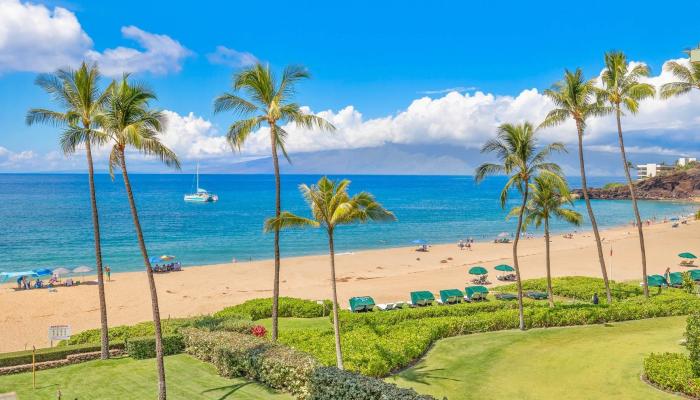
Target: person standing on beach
pixel 108 271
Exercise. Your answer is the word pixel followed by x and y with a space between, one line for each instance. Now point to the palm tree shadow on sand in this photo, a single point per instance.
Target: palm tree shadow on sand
pixel 424 375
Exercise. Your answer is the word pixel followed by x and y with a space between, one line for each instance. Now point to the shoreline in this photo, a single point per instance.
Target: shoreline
pixel 388 275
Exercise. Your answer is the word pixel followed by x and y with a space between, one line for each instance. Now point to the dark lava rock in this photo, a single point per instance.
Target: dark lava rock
pixel 677 185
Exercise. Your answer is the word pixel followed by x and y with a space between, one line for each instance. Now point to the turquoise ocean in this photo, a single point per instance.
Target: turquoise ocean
pixel 46 219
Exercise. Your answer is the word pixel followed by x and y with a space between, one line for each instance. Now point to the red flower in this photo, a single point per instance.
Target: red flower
pixel 258 330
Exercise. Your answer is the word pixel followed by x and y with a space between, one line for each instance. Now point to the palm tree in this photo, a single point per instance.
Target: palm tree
pixel 131 124
pixel 621 88
pixel 549 194
pixel 521 160
pixel 688 79
pixel 270 103
pixel 574 98
pixel 331 206
pixel 78 92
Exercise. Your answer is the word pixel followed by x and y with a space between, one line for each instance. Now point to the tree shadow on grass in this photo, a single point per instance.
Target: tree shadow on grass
pixel 424 375
pixel 231 389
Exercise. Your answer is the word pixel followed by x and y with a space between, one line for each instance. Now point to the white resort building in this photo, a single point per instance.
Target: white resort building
pixel 651 170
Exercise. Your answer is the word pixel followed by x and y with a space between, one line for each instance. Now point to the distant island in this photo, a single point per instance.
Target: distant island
pixel 679 184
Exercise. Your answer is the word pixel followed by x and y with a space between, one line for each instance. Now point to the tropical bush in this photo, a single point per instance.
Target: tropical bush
pixel 672 371
pixel 283 368
pixel 51 354
pixel 288 308
pixel 692 337
pixel 124 332
pixel 580 288
pixel 329 383
pixel 237 355
pixel 387 341
pixel 169 326
pixel 145 347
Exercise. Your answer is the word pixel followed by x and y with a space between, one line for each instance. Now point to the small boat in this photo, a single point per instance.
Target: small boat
pixel 201 195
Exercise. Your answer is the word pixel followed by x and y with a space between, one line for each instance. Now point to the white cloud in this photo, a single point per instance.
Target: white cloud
pixel 232 58
pixel 161 54
pixel 458 89
pixel 35 38
pixel 193 137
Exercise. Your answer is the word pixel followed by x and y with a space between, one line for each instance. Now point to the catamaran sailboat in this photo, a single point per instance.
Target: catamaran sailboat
pixel 201 196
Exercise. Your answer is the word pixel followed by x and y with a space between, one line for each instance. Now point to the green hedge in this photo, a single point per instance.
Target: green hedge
pixel 329 383
pixel 283 368
pixel 50 354
pixel 123 332
pixel 237 355
pixel 288 308
pixel 672 371
pixel 392 341
pixel 145 347
pixel 169 327
pixel 692 336
pixel 580 288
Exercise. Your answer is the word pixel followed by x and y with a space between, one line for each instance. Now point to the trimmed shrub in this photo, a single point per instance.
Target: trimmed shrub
pixel 288 308
pixel 123 332
pixel 387 341
pixel 237 355
pixel 51 354
pixel 330 383
pixel 236 325
pixel 580 288
pixel 672 371
pixel 692 336
pixel 145 347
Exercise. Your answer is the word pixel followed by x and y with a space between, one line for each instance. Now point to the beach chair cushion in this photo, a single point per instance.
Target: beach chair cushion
pixel 449 296
pixel 476 292
pixel 421 298
pixel 364 303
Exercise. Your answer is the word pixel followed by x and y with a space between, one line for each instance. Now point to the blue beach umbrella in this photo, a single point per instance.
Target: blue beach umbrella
pixel 43 271
pixel 4 276
pixel 154 260
pixel 419 242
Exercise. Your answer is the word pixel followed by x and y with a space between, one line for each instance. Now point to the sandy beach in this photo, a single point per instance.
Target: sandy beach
pixel 387 275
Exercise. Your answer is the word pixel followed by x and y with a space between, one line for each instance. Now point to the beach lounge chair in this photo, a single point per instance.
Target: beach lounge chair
pixel 506 296
pixel 536 295
pixel 675 279
pixel 422 298
pixel 476 293
pixel 361 304
pixel 451 296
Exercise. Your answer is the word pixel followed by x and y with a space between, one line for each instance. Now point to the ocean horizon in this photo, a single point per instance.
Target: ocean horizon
pixel 47 220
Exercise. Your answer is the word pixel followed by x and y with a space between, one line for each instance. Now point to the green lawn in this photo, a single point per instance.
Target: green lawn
pixel 125 378
pixel 589 362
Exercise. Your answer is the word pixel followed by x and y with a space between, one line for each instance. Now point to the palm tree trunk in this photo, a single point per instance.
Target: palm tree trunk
pixel 637 217
pixel 550 293
pixel 151 282
pixel 591 216
pixel 519 282
pixel 278 209
pixel 336 323
pixel 104 329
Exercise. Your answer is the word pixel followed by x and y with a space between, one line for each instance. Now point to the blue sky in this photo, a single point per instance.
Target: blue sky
pixel 376 57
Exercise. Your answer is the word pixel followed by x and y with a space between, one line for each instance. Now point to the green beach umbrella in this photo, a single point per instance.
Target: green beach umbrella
pixel 478 271
pixel 504 268
pixel 656 281
pixel 687 255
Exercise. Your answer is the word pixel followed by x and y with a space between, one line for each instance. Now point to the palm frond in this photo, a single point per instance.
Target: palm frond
pixel 287 220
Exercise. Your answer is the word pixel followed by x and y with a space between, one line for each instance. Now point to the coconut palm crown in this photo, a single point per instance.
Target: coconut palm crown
pixel 331 206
